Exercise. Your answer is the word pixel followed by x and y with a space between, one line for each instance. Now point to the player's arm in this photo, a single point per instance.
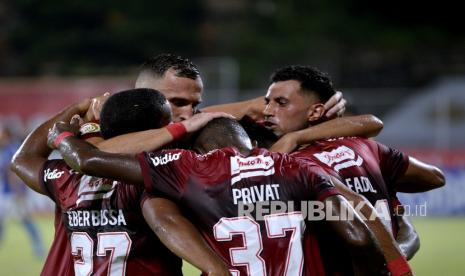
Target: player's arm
pixel 407 237
pixel 28 161
pixel 420 177
pixel 367 256
pixel 151 139
pixel 180 236
pixel 88 159
pixel 361 125
pixel 254 108
pixel 392 252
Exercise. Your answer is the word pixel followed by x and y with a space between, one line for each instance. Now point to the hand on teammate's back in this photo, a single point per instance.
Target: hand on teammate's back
pixel 61 127
pixel 199 120
pixel 336 105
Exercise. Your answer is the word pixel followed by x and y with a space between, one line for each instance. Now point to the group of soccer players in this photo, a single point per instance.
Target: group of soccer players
pixel 147 178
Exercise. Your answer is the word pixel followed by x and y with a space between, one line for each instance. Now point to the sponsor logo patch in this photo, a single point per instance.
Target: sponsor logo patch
pixel 94 188
pixel 250 167
pixel 165 159
pixel 55 174
pixel 340 158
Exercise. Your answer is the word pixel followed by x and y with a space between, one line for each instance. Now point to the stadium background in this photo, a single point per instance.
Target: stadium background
pixel 402 61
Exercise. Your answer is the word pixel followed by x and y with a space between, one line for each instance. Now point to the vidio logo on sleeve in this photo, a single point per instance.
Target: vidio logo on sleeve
pixel 165 159
pixel 55 174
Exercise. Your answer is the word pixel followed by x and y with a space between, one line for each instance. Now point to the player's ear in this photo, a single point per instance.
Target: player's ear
pixel 315 112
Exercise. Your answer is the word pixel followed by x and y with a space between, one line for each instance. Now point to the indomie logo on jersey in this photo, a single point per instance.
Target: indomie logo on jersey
pixel 94 188
pixel 55 174
pixel 162 160
pixel 343 157
pixel 250 166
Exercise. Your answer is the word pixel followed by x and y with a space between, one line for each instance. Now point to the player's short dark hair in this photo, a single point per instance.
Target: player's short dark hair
pixel 220 133
pixel 161 63
pixel 134 110
pixel 311 80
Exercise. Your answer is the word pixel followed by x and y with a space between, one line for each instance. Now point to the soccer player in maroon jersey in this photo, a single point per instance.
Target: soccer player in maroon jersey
pixel 103 217
pixel 59 259
pixel 295 101
pixel 209 187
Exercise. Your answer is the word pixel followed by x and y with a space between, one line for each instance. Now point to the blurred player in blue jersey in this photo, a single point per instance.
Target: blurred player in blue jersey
pixel 13 194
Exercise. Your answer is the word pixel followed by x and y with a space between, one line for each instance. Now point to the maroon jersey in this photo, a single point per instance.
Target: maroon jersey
pixel 59 259
pixel 106 229
pixel 366 167
pixel 214 189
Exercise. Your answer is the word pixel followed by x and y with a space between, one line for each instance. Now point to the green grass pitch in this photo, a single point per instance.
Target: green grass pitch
pixel 442 249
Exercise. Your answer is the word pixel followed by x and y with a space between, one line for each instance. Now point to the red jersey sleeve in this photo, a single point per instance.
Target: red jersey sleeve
pixel 166 172
pixel 53 178
pixel 393 163
pixel 321 186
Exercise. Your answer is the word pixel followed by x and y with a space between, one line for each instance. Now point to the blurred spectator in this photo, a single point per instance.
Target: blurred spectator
pixel 13 193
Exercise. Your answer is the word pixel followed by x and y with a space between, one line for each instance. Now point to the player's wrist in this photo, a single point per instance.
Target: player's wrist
pixel 177 130
pixel 62 136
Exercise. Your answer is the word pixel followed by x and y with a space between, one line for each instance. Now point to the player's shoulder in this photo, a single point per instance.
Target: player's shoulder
pixel 190 157
pixel 295 161
pixel 56 169
pixel 219 153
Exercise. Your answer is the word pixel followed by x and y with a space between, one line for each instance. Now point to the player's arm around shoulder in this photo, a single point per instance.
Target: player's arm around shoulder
pixel 361 125
pixel 30 158
pixel 252 108
pixel 87 159
pixel 154 139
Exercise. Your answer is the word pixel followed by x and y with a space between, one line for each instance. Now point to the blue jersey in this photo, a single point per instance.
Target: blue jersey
pixel 6 153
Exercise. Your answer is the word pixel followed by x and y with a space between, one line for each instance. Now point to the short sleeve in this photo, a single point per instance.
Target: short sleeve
pixel 393 163
pixel 53 177
pixel 321 186
pixel 166 172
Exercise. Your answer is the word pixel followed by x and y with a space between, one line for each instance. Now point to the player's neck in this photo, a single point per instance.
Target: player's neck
pixel 245 151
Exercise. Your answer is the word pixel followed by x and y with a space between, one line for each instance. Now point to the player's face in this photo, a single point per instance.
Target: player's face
pixel 183 94
pixel 286 108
